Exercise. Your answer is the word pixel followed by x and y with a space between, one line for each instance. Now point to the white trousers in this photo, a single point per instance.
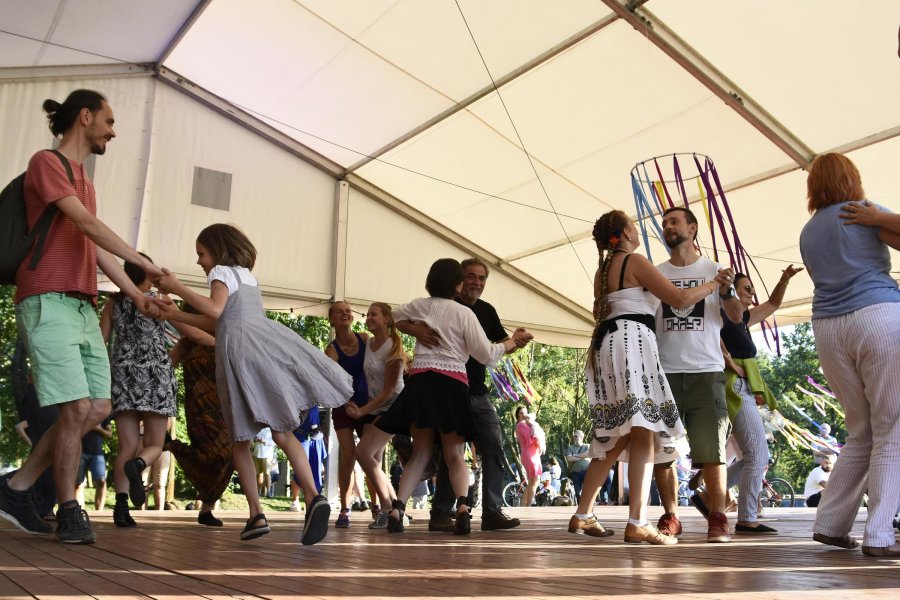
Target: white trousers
pixel 748 471
pixel 860 355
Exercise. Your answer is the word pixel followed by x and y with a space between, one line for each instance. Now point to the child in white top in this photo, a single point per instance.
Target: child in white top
pixel 266 374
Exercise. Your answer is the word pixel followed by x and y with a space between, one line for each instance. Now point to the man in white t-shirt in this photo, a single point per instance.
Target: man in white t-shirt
pixel 817 480
pixel 691 356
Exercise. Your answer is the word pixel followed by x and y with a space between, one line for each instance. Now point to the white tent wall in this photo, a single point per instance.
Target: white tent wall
pixel 284 205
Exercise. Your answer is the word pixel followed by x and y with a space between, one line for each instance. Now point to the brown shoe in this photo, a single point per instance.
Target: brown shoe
pixel 589 526
pixel 649 534
pixel 718 531
pixel 887 551
pixel 669 525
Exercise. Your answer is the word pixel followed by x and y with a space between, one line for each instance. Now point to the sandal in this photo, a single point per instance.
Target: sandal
pixel 252 531
pixel 844 541
pixel 315 525
pixel 395 524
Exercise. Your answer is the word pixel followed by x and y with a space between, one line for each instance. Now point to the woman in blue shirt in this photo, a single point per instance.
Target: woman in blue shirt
pixel 856 323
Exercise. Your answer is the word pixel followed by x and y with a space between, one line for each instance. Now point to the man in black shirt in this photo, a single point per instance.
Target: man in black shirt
pixel 488 441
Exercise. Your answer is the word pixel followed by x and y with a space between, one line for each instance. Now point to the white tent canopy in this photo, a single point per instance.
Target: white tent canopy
pixel 363 140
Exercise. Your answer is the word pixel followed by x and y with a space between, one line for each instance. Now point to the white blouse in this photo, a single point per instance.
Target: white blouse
pixel 460 334
pixel 226 276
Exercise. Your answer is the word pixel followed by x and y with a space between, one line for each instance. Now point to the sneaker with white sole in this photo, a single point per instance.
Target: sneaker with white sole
pixel 18 508
pixel 295 506
pixel 380 521
pixel 73 525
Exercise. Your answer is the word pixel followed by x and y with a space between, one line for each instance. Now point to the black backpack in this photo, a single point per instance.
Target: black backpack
pixel 15 239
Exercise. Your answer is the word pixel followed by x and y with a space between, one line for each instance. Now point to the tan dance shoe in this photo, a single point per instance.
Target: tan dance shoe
pixel 590 526
pixel 648 533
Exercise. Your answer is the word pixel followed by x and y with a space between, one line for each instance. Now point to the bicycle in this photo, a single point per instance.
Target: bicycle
pixel 776 493
pixel 513 492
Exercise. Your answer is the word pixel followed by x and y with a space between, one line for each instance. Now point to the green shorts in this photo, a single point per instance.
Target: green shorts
pixel 68 357
pixel 700 398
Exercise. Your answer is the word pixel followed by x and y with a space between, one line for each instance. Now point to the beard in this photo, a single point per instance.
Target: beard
pixel 676 239
pixel 98 148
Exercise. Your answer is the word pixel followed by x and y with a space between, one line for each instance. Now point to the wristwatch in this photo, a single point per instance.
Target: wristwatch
pixel 728 295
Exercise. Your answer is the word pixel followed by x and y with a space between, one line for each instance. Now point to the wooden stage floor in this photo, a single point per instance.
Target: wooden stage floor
pixel 169 556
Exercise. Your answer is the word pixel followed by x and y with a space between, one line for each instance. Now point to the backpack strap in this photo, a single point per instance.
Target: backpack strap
pixel 42 227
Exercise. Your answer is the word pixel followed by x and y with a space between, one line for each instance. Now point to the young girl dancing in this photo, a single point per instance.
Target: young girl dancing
pixel 143 389
pixel 267 375
pixel 436 397
pixel 384 364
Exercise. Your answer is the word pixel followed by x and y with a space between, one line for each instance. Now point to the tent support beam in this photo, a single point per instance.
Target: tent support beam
pixel 182 31
pixel 450 236
pixel 74 72
pixel 489 89
pixel 655 30
pixel 341 211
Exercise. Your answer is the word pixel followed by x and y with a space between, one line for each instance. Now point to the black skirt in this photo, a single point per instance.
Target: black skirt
pixel 431 400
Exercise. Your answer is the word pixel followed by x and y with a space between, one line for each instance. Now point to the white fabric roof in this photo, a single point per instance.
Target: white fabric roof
pixel 366 139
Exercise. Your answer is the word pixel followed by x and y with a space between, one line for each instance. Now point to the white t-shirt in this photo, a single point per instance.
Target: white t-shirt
pixel 226 276
pixel 373 364
pixel 688 338
pixel 265 447
pixel 816 476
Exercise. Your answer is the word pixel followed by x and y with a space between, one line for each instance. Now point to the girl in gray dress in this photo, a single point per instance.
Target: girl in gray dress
pixel 266 375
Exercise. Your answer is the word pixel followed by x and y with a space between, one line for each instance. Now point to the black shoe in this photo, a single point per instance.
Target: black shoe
pixel 18 508
pixel 256 527
pixel 463 525
pixel 700 505
pixel 207 518
pixel 759 529
pixel 133 470
pixel 440 522
pixel 491 521
pixel 73 525
pixel 121 514
pixel 395 524
pixel 315 527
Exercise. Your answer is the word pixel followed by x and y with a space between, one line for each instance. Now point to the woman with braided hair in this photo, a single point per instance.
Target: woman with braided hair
pixel 633 413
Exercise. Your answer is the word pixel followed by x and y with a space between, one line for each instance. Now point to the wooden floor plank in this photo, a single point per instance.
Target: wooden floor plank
pixel 170 556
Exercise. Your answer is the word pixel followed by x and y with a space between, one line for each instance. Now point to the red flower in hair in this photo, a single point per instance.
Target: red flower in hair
pixel 614 241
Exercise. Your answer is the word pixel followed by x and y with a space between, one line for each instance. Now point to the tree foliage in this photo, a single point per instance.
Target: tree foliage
pixel 783 374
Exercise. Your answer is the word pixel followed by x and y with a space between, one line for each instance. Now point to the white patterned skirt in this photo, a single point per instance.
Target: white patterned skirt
pixel 626 387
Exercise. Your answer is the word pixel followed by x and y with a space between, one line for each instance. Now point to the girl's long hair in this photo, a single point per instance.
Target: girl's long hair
pixel 397 351
pixel 607 235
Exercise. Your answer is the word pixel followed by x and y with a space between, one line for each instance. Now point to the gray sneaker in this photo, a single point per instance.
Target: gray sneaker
pixel 73 526
pixel 380 521
pixel 18 508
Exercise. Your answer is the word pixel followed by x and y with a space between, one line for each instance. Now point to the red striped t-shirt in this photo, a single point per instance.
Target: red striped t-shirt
pixel 69 259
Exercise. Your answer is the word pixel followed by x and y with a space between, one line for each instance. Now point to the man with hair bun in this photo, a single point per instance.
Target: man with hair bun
pixel 55 310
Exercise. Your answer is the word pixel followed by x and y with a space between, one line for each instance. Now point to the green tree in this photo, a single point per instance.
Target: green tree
pixel 799 360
